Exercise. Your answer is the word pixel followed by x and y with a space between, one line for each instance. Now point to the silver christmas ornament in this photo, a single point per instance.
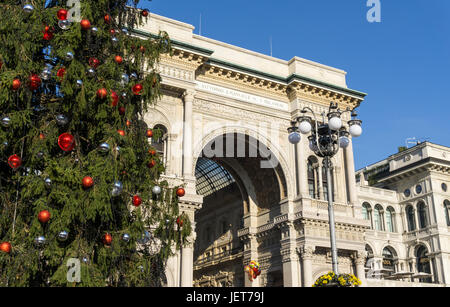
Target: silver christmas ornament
pixel 145 238
pixel 156 190
pixel 115 40
pixel 118 149
pixel 62 119
pixel 48 182
pixel 133 76
pixel 28 8
pixel 46 74
pixel 6 121
pixel 126 237
pixel 79 83
pixel 124 95
pixel 117 188
pixel 5 144
pixel 125 79
pixel 94 29
pixel 125 31
pixel 91 72
pixel 85 260
pixel 69 56
pixel 39 241
pixel 104 147
pixel 64 24
pixel 63 236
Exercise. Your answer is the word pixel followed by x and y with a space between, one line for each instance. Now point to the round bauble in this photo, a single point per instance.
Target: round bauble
pixel 137 89
pixel 94 62
pixel 16 84
pixel 117 188
pixel 28 8
pixel 156 190
pixel 61 72
pixel 102 93
pixel 151 164
pixel 5 121
pixel 35 82
pixel 126 237
pixel 66 142
pixel 62 14
pixel 149 133
pixel 39 241
pixel 46 74
pixel 121 132
pixel 14 161
pixel 179 222
pixel 64 24
pixel 44 216
pixel 122 110
pixel 104 147
pixel 107 18
pixel 87 182
pixel 5 247
pixel 85 24
pixel 107 239
pixel 69 56
pixel 137 200
pixel 63 236
pixel 118 59
pixel 181 192
pixel 115 98
pixel 62 120
pixel 48 182
pixel 133 76
pixel 145 13
pixel 79 83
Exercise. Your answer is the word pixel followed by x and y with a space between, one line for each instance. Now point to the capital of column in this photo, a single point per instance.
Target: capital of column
pixel 189 95
pixel 307 252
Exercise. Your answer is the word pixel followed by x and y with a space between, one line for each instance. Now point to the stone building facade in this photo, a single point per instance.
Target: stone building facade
pixel 251 195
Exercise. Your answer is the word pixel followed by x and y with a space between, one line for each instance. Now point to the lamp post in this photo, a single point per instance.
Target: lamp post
pixel 325 141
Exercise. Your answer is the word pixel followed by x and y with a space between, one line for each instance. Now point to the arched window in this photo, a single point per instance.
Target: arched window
pixel 367 213
pixel 159 141
pixel 312 165
pixel 422 210
pixel 411 218
pixel 388 261
pixel 447 211
pixel 390 219
pixel 423 262
pixel 370 264
pixel 378 218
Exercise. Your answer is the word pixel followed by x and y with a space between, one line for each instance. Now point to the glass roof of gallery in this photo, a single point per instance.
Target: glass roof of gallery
pixel 211 177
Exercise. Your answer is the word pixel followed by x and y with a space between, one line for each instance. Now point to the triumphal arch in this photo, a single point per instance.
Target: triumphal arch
pixel 250 194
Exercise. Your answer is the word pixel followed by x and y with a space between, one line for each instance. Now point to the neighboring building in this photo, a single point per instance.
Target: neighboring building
pixel 251 195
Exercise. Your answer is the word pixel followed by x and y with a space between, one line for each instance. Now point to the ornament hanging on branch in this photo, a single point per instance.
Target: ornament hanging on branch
pixel 87 182
pixel 94 62
pixel 118 59
pixel 107 239
pixel 121 132
pixel 35 82
pixel 62 14
pixel 137 200
pixel 102 93
pixel 85 24
pixel 66 142
pixel 16 84
pixel 5 247
pixel 151 164
pixel 137 89
pixel 107 19
pixel 145 13
pixel 149 133
pixel 181 192
pixel 28 8
pixel 14 161
pixel 5 121
pixel 115 98
pixel 179 221
pixel 44 216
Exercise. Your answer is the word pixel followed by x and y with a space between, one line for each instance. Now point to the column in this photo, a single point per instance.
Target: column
pixel 290 259
pixel 251 253
pixel 320 183
pixel 360 261
pixel 350 174
pixel 302 169
pixel 307 257
pixel 187 264
pixel 187 133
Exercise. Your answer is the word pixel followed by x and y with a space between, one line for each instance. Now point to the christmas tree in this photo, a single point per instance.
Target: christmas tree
pixel 79 181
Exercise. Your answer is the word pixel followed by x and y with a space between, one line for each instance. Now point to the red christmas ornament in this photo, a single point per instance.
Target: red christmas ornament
pixel 181 192
pixel 5 247
pixel 145 13
pixel 94 62
pixel 122 111
pixel 142 48
pixel 42 136
pixel 112 31
pixel 48 35
pixel 121 132
pixel 137 201
pixel 66 142
pixel 85 24
pixel 14 161
pixel 151 164
pixel 61 72
pixel 62 14
pixel 107 239
pixel 102 93
pixel 128 123
pixel 87 182
pixel 115 98
pixel 16 84
pixel 44 216
pixel 152 152
pixel 107 19
pixel 137 89
pixel 35 82
pixel 180 222
pixel 149 133
pixel 118 59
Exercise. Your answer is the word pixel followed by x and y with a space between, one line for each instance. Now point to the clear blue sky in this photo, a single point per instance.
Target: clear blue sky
pixel 403 63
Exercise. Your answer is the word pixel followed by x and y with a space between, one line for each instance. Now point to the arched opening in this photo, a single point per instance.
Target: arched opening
pixel 423 264
pixel 389 257
pixel 390 219
pixel 160 141
pixel 422 211
pixel 447 211
pixel 312 166
pixel 410 218
pixel 367 213
pixel 369 266
pixel 239 180
pixel 378 218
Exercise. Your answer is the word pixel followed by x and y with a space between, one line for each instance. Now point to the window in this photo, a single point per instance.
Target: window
pixel 378 218
pixel 388 261
pixel 159 141
pixel 447 211
pixel 422 210
pixel 410 217
pixel 407 193
pixel 444 187
pixel 423 263
pixel 418 189
pixel 325 182
pixel 312 164
pixel 366 211
pixel 390 218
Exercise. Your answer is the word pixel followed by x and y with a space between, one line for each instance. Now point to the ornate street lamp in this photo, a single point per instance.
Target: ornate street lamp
pixel 325 141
